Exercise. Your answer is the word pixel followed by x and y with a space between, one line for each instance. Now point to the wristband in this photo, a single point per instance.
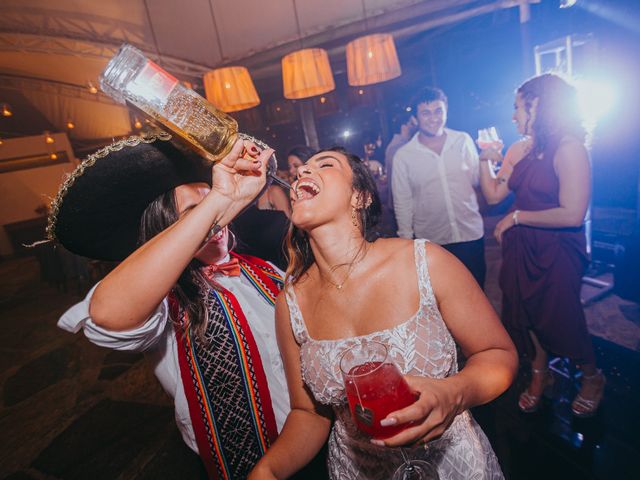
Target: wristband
pixel 514 216
pixel 215 229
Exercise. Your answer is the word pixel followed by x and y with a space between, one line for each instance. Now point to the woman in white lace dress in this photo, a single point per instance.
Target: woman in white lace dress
pixel 411 295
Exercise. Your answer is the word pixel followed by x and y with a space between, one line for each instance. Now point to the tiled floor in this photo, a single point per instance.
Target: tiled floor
pixel 71 410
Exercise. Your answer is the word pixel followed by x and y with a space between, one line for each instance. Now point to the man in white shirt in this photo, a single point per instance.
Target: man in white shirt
pixel 433 185
pixel 408 127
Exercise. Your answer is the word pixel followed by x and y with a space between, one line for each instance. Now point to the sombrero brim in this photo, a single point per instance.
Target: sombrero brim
pixel 98 209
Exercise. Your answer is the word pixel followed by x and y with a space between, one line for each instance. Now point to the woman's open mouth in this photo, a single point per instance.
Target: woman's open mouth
pixel 306 189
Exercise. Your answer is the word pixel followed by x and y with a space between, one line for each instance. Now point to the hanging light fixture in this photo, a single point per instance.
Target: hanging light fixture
pixel 372 59
pixel 306 72
pixel 230 89
pixel 6 110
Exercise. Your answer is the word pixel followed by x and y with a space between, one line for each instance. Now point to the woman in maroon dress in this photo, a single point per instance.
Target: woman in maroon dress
pixel 543 238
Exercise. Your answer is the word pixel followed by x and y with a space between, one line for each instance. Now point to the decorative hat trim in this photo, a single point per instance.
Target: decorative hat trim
pixel 131 141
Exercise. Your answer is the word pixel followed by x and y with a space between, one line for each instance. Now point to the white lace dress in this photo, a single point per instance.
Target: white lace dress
pixel 420 346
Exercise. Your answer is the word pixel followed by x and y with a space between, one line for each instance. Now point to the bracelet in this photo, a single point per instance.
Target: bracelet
pixel 514 216
pixel 215 229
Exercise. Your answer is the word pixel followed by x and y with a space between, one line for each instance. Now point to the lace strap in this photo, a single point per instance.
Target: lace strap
pixel 295 316
pixel 422 267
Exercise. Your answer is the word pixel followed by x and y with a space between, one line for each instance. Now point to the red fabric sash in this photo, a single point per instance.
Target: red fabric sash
pixel 224 380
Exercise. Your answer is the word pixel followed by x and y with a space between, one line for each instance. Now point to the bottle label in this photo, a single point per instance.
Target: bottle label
pixel 153 84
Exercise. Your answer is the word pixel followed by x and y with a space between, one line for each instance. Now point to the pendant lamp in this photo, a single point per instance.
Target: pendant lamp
pixel 372 59
pixel 306 73
pixel 230 89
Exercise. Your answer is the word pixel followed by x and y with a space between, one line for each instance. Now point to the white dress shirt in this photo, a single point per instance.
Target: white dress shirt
pixel 156 337
pixel 433 195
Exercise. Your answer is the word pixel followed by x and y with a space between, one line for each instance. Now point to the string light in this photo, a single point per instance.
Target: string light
pixel 48 138
pixel 71 125
pixel 92 88
pixel 137 124
pixel 6 110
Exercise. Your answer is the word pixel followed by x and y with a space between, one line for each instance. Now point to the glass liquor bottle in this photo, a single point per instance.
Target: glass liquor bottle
pixel 133 79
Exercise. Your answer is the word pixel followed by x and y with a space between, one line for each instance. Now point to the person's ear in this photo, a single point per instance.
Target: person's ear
pixel 534 106
pixel 364 200
pixel 361 200
pixel 532 111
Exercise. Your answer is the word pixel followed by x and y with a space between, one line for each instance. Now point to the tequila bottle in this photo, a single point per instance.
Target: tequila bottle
pixel 133 79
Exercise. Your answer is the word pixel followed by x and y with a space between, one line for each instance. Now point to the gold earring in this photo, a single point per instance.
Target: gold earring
pixel 354 217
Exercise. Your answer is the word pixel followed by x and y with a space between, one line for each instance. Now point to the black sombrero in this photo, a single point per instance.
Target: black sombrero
pixel 98 208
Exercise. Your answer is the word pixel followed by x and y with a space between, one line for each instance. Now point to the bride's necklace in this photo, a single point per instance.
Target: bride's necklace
pixel 340 285
pixel 353 263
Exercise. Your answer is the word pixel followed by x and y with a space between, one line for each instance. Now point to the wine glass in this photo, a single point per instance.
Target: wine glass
pixel 489 138
pixel 375 388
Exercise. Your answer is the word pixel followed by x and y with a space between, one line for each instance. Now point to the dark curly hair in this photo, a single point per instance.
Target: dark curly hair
pixel 299 251
pixel 428 95
pixel 557 114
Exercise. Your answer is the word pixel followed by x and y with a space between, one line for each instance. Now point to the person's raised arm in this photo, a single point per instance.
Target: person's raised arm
pixel 491 356
pixel 308 424
pixel 573 169
pixel 495 185
pixel 132 291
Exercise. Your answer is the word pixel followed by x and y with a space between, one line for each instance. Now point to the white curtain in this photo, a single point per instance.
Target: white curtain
pixel 92 120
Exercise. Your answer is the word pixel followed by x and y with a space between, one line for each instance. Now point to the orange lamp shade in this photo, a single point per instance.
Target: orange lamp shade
pixel 230 89
pixel 372 59
pixel 306 73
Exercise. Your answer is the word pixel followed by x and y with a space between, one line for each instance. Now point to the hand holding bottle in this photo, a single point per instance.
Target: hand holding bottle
pixel 241 174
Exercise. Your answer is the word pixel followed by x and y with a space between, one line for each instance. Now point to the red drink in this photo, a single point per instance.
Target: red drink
pixel 375 389
pixel 493 144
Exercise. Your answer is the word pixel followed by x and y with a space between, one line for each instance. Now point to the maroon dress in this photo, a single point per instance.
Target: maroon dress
pixel 542 270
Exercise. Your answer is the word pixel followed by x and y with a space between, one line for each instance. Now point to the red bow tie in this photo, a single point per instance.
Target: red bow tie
pixel 230 268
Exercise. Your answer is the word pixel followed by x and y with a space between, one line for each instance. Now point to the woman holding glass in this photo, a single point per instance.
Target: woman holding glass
pixel 345 291
pixel 543 238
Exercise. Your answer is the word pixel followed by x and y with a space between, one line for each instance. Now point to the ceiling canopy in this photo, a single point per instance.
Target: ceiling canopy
pixel 51 53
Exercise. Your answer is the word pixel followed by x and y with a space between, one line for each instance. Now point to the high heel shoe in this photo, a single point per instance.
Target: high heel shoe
pixel 529 403
pixel 584 407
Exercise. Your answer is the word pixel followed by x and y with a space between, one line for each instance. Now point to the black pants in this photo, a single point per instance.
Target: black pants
pixel 471 254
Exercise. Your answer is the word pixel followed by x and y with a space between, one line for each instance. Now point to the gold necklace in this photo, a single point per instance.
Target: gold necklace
pixel 353 263
pixel 340 285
